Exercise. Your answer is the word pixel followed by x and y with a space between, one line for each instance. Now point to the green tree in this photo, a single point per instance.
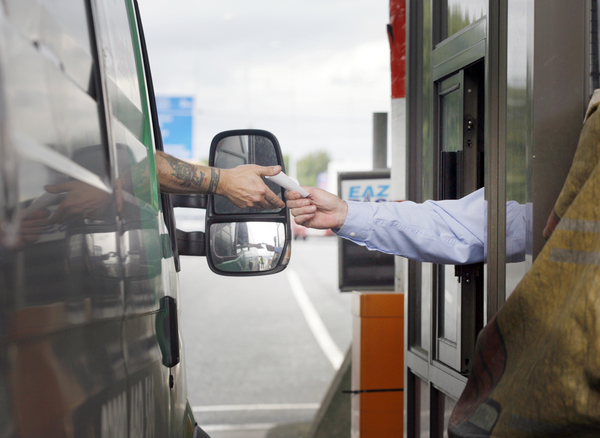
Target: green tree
pixel 286 163
pixel 310 166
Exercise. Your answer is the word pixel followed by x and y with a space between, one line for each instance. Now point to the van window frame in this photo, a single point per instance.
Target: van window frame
pixel 167 206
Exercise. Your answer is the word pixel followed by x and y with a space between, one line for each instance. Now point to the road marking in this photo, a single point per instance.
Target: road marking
pixel 318 329
pixel 256 407
pixel 236 427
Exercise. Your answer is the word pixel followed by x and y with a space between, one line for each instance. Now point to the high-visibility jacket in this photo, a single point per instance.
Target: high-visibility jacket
pixel 537 366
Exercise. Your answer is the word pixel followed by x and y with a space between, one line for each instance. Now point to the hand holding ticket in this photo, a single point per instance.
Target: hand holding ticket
pixel 288 183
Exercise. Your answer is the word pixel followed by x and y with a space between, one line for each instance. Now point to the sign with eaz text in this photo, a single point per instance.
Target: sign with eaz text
pixel 359 268
pixel 366 190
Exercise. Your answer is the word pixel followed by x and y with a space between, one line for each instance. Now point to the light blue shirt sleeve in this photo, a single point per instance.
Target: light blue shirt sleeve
pixel 445 232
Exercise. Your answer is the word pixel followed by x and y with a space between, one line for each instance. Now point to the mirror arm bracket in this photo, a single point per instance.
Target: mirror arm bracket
pixel 192 243
pixel 189 201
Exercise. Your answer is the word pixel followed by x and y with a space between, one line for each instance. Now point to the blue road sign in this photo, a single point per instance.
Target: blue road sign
pixel 176 117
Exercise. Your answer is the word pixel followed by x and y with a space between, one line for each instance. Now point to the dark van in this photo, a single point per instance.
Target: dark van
pixel 89 250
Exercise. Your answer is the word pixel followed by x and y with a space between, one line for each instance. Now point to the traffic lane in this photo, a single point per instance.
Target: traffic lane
pixel 281 362
pixel 316 262
pixel 213 306
pixel 245 337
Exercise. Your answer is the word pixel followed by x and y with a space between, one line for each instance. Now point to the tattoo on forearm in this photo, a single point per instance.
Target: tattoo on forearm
pixel 215 174
pixel 185 173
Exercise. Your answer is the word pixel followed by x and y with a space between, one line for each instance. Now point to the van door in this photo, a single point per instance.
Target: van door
pixel 60 269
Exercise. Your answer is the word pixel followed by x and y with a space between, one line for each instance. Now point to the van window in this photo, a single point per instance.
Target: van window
pixel 126 92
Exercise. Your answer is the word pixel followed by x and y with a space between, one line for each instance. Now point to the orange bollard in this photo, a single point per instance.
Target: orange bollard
pixel 377 365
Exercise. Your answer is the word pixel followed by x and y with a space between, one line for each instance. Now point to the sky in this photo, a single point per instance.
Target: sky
pixel 312 72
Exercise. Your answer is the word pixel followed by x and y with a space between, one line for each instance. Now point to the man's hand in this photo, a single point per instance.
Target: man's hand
pixel 244 187
pixel 550 225
pixel 321 210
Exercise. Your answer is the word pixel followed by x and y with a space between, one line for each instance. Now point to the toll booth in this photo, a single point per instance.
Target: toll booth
pixel 501 88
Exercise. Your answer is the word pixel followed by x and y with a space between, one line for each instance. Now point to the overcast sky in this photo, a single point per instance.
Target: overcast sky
pixel 311 71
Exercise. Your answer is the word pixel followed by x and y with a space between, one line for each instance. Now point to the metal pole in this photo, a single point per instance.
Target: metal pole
pixel 380 140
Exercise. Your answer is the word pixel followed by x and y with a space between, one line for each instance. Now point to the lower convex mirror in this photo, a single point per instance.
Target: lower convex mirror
pixel 248 246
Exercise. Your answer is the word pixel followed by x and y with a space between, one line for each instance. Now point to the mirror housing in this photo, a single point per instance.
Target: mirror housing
pixel 237 241
pixel 246 242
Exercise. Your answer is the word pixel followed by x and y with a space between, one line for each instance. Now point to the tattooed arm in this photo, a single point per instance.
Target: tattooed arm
pixel 243 185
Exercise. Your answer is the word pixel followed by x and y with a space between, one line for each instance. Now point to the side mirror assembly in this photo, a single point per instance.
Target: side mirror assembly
pixel 246 241
pixel 236 241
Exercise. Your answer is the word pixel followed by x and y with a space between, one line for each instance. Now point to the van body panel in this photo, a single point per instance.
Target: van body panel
pixel 81 282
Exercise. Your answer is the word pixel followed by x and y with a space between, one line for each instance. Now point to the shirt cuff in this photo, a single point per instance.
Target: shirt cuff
pixel 356 226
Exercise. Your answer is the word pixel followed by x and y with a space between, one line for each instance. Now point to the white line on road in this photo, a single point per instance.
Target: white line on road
pixel 314 321
pixel 236 427
pixel 256 407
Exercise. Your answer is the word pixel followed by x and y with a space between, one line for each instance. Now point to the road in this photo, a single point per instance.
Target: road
pixel 261 351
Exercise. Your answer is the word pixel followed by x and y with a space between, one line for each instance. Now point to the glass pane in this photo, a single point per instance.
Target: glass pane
pixel 422 401
pixel 451 116
pixel 462 13
pixel 448 407
pixel 449 304
pixel 246 246
pixel 519 141
pixel 415 297
pixel 427 102
pixel 425 308
pixel 120 51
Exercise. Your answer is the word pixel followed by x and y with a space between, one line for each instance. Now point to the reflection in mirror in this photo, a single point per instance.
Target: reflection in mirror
pixel 238 150
pixel 246 246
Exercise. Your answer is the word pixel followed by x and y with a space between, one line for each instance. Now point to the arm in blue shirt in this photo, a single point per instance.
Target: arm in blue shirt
pixel 445 232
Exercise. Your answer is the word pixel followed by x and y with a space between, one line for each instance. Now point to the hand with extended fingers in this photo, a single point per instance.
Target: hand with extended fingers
pixel 244 187
pixel 320 210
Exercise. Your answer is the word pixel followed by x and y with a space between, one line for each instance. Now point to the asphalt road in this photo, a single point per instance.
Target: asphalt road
pixel 261 352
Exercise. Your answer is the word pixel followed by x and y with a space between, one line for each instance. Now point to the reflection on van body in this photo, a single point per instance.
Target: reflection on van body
pixel 83 255
pixel 89 342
